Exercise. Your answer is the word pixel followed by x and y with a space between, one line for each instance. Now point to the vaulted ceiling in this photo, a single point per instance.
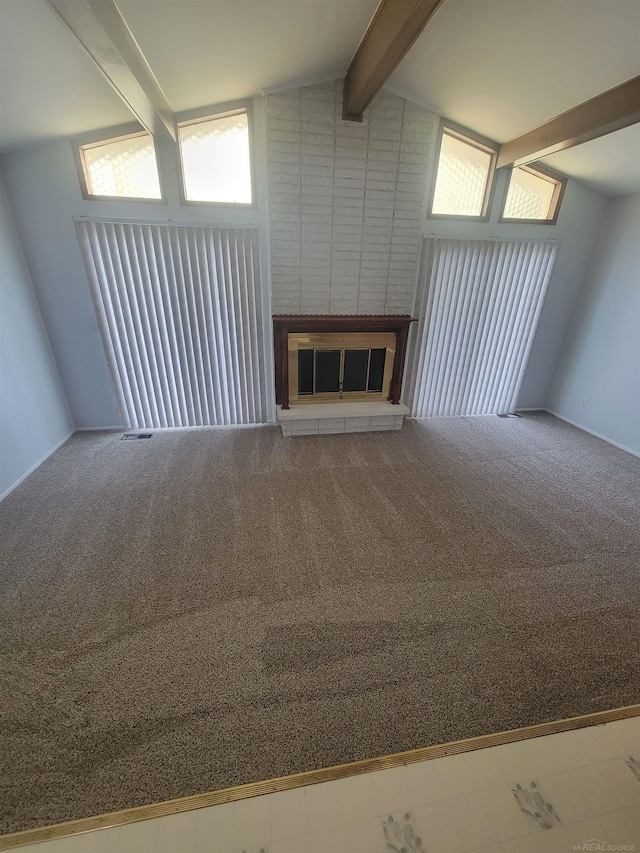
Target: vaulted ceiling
pixel 499 67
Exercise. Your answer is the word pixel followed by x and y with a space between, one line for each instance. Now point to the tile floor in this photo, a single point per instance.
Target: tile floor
pixel 578 790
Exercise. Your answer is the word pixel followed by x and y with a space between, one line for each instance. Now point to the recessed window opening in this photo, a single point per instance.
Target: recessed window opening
pixel 534 195
pixel 464 175
pixel 120 167
pixel 216 161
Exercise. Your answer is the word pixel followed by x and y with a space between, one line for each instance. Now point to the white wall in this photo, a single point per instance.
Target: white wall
pixel 29 383
pixel 601 360
pixel 44 194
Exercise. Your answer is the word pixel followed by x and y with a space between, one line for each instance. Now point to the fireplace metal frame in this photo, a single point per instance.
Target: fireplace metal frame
pixel 284 325
pixel 341 341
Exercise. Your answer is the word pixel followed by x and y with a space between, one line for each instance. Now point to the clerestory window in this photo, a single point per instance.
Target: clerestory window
pixel 534 195
pixel 121 166
pixel 464 175
pixel 215 154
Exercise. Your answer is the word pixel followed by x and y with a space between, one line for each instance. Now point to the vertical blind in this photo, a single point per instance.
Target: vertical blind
pixel 478 308
pixel 179 310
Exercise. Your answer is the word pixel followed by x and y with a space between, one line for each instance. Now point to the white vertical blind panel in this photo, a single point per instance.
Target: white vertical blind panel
pixel 180 314
pixel 478 307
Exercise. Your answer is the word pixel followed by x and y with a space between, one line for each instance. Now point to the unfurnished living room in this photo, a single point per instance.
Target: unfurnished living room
pixel 320 426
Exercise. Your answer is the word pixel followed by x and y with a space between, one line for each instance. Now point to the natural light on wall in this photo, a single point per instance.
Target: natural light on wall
pixel 463 173
pixel 532 195
pixel 215 159
pixel 121 168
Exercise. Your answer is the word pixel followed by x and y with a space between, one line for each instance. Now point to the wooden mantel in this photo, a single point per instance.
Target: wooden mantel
pixel 284 325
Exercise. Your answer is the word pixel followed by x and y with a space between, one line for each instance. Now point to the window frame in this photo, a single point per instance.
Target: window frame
pixel 114 134
pixel 483 143
pixel 212 112
pixel 542 171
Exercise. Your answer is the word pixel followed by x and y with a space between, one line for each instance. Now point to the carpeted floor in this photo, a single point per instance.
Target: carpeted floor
pixel 212 607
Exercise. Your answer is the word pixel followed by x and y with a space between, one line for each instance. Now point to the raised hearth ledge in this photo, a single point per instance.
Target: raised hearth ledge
pixel 325 418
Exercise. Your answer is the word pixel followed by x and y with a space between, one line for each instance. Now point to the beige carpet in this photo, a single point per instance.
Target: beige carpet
pixel 212 607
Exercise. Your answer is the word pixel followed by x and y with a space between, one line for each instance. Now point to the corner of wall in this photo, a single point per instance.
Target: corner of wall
pixel 34 418
pixel 596 385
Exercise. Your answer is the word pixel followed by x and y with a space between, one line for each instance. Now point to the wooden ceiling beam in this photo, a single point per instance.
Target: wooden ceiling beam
pixel 606 113
pixel 105 36
pixel 394 28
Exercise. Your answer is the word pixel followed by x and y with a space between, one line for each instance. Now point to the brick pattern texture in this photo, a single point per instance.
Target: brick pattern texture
pixel 345 202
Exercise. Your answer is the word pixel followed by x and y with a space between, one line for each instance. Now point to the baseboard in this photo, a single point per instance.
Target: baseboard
pixel 36 465
pixel 593 432
pixel 121 428
pixel 310 777
pixel 101 429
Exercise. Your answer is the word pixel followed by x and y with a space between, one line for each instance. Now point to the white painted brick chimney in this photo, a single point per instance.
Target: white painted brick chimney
pixel 345 202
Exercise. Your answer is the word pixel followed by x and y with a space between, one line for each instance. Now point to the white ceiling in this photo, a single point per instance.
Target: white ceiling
pixel 202 52
pixel 48 86
pixel 221 51
pixel 500 67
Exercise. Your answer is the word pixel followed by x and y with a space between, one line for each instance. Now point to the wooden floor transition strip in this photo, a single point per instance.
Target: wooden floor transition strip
pixel 309 777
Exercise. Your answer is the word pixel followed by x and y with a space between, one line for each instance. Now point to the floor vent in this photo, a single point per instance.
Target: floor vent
pixel 128 436
pixel 510 415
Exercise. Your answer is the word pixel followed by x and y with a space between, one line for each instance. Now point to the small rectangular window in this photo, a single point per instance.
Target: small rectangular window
pixel 464 175
pixel 121 166
pixel 216 160
pixel 534 195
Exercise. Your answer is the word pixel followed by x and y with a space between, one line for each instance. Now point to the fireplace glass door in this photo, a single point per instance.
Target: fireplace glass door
pixel 340 366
